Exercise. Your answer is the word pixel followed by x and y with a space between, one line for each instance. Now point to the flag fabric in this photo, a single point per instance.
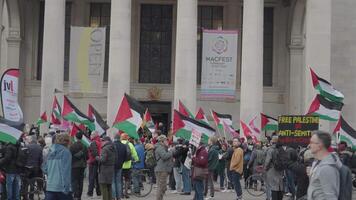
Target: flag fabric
pixel 129 117
pixel 200 116
pixel 99 123
pixel 42 119
pixel 325 88
pixel 230 130
pixel 75 129
pixel 246 130
pixel 56 112
pixel 268 123
pixel 73 114
pixel 346 133
pixel 10 132
pixel 184 110
pixel 220 118
pixel 148 121
pixel 325 109
pixel 183 127
pixel 253 125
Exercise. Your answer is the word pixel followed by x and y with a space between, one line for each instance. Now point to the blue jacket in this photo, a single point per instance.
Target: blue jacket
pixel 58 169
pixel 141 157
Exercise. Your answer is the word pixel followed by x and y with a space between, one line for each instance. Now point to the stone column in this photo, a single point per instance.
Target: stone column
pixel 120 56
pixel 252 60
pixel 317 47
pixel 185 78
pixel 53 52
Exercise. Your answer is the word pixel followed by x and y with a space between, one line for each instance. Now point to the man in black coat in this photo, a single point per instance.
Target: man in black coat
pixel 120 153
pixel 79 158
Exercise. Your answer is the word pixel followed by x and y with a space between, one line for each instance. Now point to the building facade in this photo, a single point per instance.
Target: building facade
pixel 154 52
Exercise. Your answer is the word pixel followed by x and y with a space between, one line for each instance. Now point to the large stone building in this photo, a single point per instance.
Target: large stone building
pixel 154 46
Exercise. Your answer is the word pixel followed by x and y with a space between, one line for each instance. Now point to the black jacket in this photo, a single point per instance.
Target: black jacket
pixel 8 162
pixel 120 154
pixel 79 155
pixel 35 155
pixel 180 154
pixel 302 179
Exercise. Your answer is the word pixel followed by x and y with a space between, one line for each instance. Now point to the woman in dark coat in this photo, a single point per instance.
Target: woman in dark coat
pixel 106 170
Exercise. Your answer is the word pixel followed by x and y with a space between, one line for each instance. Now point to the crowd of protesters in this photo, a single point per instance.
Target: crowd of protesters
pixel 113 165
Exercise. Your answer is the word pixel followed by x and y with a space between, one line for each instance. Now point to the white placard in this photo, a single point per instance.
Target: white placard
pixel 195 138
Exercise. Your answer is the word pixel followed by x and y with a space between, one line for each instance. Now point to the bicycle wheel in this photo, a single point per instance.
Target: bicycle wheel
pixel 258 185
pixel 37 187
pixel 145 184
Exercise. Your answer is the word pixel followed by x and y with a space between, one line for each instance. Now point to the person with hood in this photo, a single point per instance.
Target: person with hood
pixel 120 154
pixel 13 180
pixel 199 162
pixel 94 152
pixel 126 167
pixel 58 169
pixel 164 165
pixel 79 157
pixel 106 167
pixel 213 161
pixel 274 177
pixel 324 179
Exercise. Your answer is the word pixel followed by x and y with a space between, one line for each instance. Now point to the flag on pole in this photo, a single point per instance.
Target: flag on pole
pixel 42 119
pixel 268 123
pixel 200 116
pixel 99 123
pixel 246 130
pixel 183 127
pixel 325 109
pixel 220 118
pixel 325 88
pixel 10 131
pixel 184 110
pixel 253 125
pixel 129 117
pixel 346 133
pixel 148 121
pixel 73 114
pixel 230 130
pixel 56 112
pixel 75 129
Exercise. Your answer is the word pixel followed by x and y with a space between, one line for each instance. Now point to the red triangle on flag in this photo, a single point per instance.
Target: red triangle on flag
pixel 338 126
pixel 44 116
pixel 177 122
pixel 182 109
pixel 55 120
pixel 247 131
pixel 314 105
pixel 147 117
pixel 124 111
pixel 200 114
pixel 90 112
pixel 74 130
pixel 315 78
pixel 67 108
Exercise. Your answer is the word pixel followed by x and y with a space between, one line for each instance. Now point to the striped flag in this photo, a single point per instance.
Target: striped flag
pixel 73 114
pixel 129 117
pixel 184 110
pixel 325 88
pixel 10 131
pixel 200 116
pixel 325 109
pixel 230 130
pixel 56 112
pixel 220 118
pixel 268 123
pixel 183 127
pixel 346 133
pixel 42 119
pixel 75 129
pixel 99 123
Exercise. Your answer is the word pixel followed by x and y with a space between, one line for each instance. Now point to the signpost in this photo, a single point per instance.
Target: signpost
pixel 296 130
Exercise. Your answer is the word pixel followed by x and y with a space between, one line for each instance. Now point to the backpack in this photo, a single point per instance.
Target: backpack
pixel 280 159
pixel 22 156
pixel 345 191
pixel 260 157
pixel 128 156
pixel 150 159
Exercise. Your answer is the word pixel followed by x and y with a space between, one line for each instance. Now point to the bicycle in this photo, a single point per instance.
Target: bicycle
pixel 145 183
pixel 32 187
pixel 258 181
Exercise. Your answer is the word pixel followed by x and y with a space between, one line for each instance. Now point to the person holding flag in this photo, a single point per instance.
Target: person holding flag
pixel 93 164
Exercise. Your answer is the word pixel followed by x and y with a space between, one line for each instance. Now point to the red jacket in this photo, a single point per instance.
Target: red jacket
pixel 94 150
pixel 201 157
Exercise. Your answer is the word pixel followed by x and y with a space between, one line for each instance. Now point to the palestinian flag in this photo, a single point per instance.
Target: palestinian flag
pixel 220 118
pixel 325 88
pixel 56 112
pixel 246 129
pixel 200 116
pixel 42 119
pixel 73 114
pixel 10 131
pixel 148 121
pixel 75 129
pixel 184 110
pixel 129 117
pixel 268 123
pixel 325 109
pixel 183 127
pixel 230 130
pixel 99 123
pixel 346 133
